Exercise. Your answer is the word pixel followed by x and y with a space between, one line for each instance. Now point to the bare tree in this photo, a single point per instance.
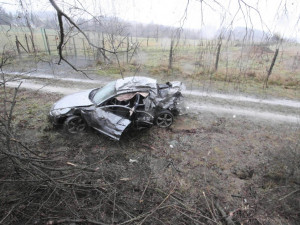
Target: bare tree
pixel 62 15
pixel 117 38
pixel 176 35
pixel 28 24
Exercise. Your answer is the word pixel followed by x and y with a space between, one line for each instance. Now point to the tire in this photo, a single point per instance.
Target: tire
pixel 164 119
pixel 74 125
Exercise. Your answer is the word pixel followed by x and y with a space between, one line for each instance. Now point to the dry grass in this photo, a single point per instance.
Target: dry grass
pixel 194 61
pixel 210 160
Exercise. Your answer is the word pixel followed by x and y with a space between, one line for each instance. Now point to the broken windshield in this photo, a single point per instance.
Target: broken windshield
pixel 99 95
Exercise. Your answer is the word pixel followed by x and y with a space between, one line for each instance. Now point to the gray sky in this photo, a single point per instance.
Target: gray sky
pixel 272 15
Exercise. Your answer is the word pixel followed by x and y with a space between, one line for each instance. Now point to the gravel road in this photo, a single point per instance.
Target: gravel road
pixel 274 110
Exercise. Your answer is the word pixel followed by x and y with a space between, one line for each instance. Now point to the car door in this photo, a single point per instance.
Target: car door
pixel 110 120
pixel 115 114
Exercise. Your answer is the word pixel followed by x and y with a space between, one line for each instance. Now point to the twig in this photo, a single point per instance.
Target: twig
pixel 197 221
pixel 52 222
pixel 224 215
pixel 148 146
pixel 212 214
pixel 141 216
pixel 41 206
pixel 196 213
pixel 114 208
pixel 60 15
pixel 293 192
pixel 10 211
pixel 141 198
pixel 13 105
pixel 165 199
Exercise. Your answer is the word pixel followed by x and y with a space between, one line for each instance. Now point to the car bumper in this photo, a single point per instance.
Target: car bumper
pixel 55 120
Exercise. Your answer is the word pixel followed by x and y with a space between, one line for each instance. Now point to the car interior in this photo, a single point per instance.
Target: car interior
pixel 125 104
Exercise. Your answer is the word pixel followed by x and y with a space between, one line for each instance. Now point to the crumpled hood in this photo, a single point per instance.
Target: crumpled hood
pixel 73 100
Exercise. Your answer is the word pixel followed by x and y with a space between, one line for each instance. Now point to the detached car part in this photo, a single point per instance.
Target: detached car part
pixel 132 102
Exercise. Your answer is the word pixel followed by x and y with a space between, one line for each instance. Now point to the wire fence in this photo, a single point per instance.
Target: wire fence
pixel 22 41
pixel 201 53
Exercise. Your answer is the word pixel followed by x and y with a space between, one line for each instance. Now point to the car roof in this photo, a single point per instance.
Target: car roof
pixel 136 83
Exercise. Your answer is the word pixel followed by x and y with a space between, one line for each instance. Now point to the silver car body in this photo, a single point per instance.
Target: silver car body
pixel 111 109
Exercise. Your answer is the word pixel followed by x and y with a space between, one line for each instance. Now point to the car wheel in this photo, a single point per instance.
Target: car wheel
pixel 164 118
pixel 74 124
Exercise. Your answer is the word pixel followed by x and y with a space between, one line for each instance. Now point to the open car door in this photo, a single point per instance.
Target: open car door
pixel 110 120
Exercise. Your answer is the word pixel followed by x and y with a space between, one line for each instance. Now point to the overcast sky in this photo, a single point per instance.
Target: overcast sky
pixel 274 15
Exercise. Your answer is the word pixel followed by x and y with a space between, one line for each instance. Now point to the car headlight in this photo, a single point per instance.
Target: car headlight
pixel 57 112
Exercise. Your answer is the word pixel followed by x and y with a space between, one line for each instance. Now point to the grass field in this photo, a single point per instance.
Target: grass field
pixel 241 65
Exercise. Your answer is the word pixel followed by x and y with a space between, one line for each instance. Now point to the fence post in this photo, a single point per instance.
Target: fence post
pixel 18 46
pixel 103 46
pixel 33 45
pixel 27 43
pixel 43 35
pixel 218 55
pixel 88 48
pixel 66 48
pixel 47 42
pixel 56 38
pixel 127 50
pixel 271 68
pixel 171 54
pixel 75 50
pixel 84 48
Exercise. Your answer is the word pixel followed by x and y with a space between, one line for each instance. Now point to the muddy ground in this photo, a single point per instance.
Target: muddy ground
pixel 250 167
pixel 226 161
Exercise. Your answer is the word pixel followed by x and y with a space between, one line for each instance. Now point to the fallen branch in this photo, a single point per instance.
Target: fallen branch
pixel 224 215
pixel 154 210
pixel 53 222
pixel 293 192
pixel 141 198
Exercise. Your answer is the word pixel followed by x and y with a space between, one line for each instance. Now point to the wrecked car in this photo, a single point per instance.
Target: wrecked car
pixel 132 102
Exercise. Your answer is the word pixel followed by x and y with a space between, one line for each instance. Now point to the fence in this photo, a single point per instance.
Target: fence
pixel 191 56
pixel 20 41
